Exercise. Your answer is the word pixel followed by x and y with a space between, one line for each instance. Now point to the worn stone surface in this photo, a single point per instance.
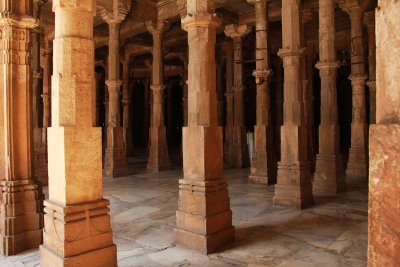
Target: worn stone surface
pixel 77 223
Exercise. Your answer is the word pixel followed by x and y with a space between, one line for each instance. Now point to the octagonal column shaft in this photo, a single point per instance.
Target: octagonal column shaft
pixel 204 218
pixel 115 164
pixel 329 172
pixel 263 166
pixel 238 156
pixel 21 217
pixel 77 223
pixel 158 152
pixel 293 186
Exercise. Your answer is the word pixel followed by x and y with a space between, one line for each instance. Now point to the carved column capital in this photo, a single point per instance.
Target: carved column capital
pixel 118 13
pixel 253 2
pixel 369 20
pixel 157 27
pixel 202 20
pixel 236 31
pixel 353 6
pixel 114 85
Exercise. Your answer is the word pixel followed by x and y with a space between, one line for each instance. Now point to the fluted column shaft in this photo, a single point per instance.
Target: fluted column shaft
pixel 263 167
pixel 293 186
pixel 204 218
pixel 329 173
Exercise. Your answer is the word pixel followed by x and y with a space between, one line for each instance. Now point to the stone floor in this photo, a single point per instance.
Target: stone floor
pixel 332 233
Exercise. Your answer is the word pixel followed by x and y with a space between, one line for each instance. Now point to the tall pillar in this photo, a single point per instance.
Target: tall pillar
pixel 369 21
pixel 47 62
pixel 126 105
pixel 263 166
pixel 293 187
pixel 278 80
pixel 238 149
pixel 357 165
pixel 220 89
pixel 147 111
pixel 384 145
pixel 329 173
pixel 184 59
pixel 77 224
pixel 115 155
pixel 21 217
pixel 227 47
pixel 204 218
pixel 158 153
pixel 40 142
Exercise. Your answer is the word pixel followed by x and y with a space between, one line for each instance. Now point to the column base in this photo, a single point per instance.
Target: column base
pixel 115 164
pixel 329 175
pixel 294 188
pixel 78 235
pixel 263 168
pixel 204 218
pixel 238 157
pixel 21 219
pixel 158 159
pixel 357 165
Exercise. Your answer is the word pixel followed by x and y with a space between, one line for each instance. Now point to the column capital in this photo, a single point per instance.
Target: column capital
pixel 262 75
pixel 327 65
pixel 235 31
pixel 157 27
pixel 201 20
pixel 353 6
pixel 24 22
pixel 284 52
pixel 118 13
pixel 84 5
pixel 369 19
pixel 253 2
pixel 157 87
pixel 114 85
pixel 358 78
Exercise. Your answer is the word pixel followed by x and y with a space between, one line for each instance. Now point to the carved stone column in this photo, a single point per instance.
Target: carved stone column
pixel 293 187
pixel 357 165
pixel 21 217
pixel 227 47
pixel 158 153
pixel 384 145
pixel 220 88
pixel 39 136
pixel 115 155
pixel 238 149
pixel 263 167
pixel 184 59
pixel 278 80
pixel 47 62
pixel 329 173
pixel 126 105
pixel 77 223
pixel 369 21
pixel 204 218
pixel 147 111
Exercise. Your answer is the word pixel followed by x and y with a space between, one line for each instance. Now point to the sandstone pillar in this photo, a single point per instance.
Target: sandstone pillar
pixel 115 164
pixel 357 165
pixel 278 80
pixel 238 149
pixel 77 224
pixel 227 47
pixel 158 152
pixel 147 111
pixel 184 59
pixel 126 105
pixel 369 21
pixel 40 139
pixel 329 173
pixel 293 187
pixel 263 168
pixel 21 219
pixel 220 89
pixel 384 145
pixel 204 218
pixel 47 62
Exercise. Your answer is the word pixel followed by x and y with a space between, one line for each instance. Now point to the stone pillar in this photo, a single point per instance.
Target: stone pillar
pixel 384 145
pixel 293 187
pixel 369 21
pixel 220 89
pixel 238 149
pixel 227 47
pixel 40 139
pixel 357 165
pixel 278 80
pixel 263 167
pixel 158 153
pixel 147 111
pixel 126 105
pixel 184 59
pixel 47 62
pixel 204 218
pixel 77 223
pixel 115 155
pixel 21 217
pixel 329 173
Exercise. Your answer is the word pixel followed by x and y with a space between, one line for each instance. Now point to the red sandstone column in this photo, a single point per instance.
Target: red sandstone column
pixel 158 153
pixel 263 168
pixel 115 155
pixel 293 187
pixel 278 80
pixel 77 224
pixel 21 216
pixel 329 173
pixel 220 89
pixel 40 155
pixel 227 47
pixel 204 218
pixel 357 165
pixel 126 105
pixel 238 150
pixel 184 59
pixel 384 145
pixel 369 21
pixel 47 62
